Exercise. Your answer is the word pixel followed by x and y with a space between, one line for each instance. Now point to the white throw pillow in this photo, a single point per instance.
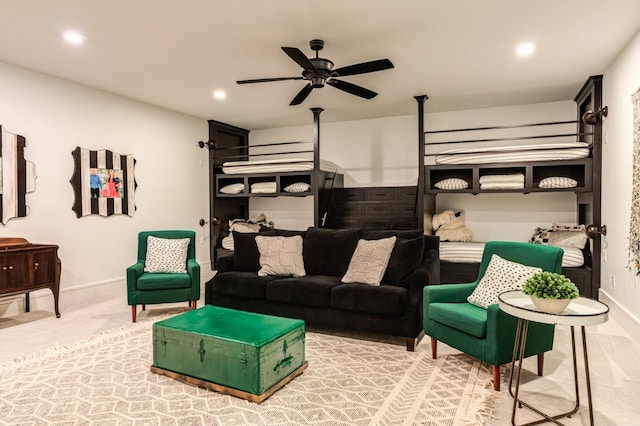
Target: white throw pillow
pixel 501 275
pixel 452 184
pixel 234 188
pixel 167 255
pixel 369 261
pixel 280 256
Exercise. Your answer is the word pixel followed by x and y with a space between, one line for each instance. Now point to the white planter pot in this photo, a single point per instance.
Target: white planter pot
pixel 552 306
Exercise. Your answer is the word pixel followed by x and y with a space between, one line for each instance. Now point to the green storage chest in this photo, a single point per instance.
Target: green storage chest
pixel 240 350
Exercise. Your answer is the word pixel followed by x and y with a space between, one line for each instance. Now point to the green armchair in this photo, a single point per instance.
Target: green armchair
pixel 145 288
pixel 488 334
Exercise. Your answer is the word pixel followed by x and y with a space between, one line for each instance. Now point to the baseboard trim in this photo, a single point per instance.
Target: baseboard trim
pixel 629 322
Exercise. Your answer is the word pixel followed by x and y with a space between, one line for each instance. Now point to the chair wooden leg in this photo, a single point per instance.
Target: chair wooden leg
pixel 496 378
pixel 133 313
pixel 144 307
pixel 193 304
pixel 540 363
pixel 434 348
pixel 411 344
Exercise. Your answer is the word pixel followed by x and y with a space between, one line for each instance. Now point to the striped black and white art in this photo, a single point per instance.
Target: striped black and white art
pixel 119 199
pixel 14 183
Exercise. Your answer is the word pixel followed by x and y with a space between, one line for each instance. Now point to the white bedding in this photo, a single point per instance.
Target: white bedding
pixel 472 253
pixel 515 153
pixel 277 165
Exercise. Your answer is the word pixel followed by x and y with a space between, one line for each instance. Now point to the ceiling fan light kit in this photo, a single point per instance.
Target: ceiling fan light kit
pixel 319 71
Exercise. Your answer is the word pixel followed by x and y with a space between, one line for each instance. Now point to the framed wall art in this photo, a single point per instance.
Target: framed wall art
pixel 17 176
pixel 103 183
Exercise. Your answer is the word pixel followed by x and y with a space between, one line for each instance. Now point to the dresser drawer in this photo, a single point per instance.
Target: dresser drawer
pixel 352 194
pixel 370 223
pixel 403 209
pixel 406 193
pixel 352 209
pixel 380 194
pixel 378 209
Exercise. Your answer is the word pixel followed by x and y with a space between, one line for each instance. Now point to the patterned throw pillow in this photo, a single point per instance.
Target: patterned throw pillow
pixel 168 255
pixel 557 182
pixel 561 235
pixel 280 256
pixel 234 188
pixel 369 261
pixel 501 275
pixel 297 187
pixel 452 184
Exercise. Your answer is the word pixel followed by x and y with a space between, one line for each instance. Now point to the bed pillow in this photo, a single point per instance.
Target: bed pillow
pixel 557 182
pixel 166 255
pixel 297 187
pixel 234 188
pixel 280 256
pixel 501 275
pixel 561 235
pixel 369 261
pixel 452 184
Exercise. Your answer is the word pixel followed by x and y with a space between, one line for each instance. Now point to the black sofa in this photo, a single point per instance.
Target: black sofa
pixel 320 298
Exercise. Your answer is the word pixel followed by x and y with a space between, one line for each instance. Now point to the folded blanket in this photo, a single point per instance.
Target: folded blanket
pixel 502 185
pixel 263 188
pixel 516 177
pixel 227 242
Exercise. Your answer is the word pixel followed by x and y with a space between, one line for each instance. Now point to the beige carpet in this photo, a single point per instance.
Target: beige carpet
pixel 106 381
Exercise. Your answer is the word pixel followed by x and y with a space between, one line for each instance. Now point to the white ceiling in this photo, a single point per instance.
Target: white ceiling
pixel 175 53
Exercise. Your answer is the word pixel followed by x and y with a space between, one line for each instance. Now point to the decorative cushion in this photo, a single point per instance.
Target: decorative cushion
pixel 452 184
pixel 405 258
pixel 280 256
pixel 369 261
pixel 501 275
pixel 297 187
pixel 234 188
pixel 166 255
pixel 561 235
pixel 329 251
pixel 377 234
pixel 246 257
pixel 558 182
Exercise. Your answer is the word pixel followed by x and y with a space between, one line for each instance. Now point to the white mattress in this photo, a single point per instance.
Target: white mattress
pixel 515 153
pixel 277 165
pixel 471 252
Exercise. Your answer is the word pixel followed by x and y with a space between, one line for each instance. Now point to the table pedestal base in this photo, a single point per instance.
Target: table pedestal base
pixel 518 354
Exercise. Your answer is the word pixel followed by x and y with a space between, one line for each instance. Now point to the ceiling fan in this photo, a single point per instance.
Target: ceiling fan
pixel 318 71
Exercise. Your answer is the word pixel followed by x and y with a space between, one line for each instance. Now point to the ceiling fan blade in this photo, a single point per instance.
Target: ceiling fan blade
pixel 354 89
pixel 302 95
pixel 364 67
pixel 297 55
pixel 264 80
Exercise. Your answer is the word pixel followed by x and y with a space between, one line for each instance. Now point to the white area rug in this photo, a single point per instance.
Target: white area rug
pixel 106 381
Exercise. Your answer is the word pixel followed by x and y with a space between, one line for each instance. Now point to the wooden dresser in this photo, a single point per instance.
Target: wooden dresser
pixel 26 267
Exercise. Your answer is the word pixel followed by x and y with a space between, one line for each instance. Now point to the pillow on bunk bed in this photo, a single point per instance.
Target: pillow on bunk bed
pixel 297 187
pixel 280 256
pixel 452 184
pixel 557 182
pixel 234 188
pixel 369 261
pixel 501 275
pixel 561 235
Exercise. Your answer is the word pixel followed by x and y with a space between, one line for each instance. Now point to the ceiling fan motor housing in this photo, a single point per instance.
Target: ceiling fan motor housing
pixel 323 72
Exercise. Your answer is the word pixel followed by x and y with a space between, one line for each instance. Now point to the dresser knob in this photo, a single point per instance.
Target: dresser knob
pixel 4 268
pixel 36 266
pixel 11 268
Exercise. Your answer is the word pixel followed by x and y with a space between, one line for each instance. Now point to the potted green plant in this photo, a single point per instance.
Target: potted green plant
pixel 550 292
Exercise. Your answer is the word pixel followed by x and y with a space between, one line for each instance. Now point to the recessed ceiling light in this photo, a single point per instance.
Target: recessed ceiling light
pixel 525 49
pixel 220 95
pixel 73 37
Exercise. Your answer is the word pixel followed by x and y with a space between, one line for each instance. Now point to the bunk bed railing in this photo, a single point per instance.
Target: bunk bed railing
pixel 223 154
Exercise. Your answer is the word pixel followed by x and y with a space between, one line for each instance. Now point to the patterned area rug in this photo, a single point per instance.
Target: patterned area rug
pixel 106 381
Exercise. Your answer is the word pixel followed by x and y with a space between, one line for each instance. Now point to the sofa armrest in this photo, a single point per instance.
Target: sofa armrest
pixel 224 263
pixel 450 293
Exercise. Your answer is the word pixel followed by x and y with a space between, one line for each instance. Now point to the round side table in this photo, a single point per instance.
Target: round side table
pixel 580 312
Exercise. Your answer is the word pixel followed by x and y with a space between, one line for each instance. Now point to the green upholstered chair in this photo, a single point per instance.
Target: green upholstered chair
pixel 488 334
pixel 146 288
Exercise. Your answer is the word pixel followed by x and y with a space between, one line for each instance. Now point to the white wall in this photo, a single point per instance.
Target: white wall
pixel 384 152
pixel 55 116
pixel 620 81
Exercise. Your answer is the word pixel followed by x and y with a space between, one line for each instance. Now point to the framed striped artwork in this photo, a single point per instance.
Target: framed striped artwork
pixel 103 183
pixel 17 176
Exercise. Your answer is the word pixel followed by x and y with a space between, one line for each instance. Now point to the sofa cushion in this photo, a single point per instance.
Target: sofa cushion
pixel 281 232
pixel 465 317
pixel 312 290
pixel 241 284
pixel 246 257
pixel 329 251
pixel 382 300
pixel 369 261
pixel 280 256
pixel 163 281
pixel 405 258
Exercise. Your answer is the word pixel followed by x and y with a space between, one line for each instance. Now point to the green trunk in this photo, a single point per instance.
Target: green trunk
pixel 241 350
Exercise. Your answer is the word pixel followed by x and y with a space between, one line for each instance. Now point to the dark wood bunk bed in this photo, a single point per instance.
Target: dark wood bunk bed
pixel 585 171
pixel 229 144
